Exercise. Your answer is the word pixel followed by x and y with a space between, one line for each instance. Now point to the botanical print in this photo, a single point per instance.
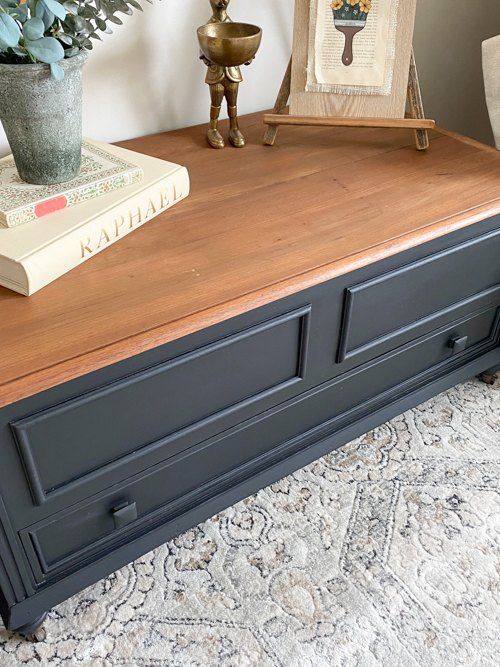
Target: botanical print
pixel 352 46
pixel 350 17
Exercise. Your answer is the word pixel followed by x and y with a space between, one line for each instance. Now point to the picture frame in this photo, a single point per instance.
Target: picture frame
pixel 401 106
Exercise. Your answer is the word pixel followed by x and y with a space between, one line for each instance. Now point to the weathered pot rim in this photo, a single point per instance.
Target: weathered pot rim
pixel 35 69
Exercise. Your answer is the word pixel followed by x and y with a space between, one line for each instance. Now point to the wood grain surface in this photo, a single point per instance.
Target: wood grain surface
pixel 328 121
pixel 261 223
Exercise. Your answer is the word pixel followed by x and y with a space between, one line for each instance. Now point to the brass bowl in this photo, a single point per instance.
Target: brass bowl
pixel 229 44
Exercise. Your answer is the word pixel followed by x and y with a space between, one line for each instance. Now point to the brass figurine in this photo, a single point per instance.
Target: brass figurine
pixel 225 46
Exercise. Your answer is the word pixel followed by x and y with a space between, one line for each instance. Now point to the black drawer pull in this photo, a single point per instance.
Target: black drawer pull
pixel 124 514
pixel 458 344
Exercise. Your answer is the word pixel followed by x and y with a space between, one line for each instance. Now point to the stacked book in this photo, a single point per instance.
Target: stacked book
pixel 45 231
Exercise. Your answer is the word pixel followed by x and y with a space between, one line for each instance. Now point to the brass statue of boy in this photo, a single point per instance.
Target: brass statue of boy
pixel 224 82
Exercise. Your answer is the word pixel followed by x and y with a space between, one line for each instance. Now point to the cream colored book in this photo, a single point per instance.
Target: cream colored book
pixel 37 253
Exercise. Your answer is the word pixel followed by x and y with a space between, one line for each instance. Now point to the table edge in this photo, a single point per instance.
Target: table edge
pixel 69 369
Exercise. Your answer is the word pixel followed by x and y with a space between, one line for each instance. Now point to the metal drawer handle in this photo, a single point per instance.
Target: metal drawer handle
pixel 124 514
pixel 458 344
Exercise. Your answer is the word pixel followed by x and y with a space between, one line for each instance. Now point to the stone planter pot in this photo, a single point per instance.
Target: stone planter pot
pixel 42 119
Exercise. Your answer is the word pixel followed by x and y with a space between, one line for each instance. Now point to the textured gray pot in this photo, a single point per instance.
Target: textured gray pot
pixel 42 119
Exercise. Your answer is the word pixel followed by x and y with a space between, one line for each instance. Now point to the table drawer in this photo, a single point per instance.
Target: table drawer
pixel 386 309
pixel 78 441
pixel 71 538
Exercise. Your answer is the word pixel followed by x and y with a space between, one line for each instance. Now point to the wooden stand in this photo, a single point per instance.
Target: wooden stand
pixel 415 120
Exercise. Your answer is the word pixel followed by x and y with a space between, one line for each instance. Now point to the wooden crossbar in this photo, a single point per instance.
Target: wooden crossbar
pixel 328 121
pixel 414 121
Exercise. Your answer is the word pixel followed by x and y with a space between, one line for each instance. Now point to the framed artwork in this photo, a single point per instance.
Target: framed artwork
pixel 351 58
pixel 352 64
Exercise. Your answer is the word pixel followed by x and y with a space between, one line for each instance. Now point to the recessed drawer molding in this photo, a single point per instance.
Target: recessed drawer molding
pixel 391 305
pixel 58 544
pixel 65 444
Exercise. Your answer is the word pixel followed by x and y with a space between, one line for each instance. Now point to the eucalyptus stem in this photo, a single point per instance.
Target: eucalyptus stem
pixel 49 30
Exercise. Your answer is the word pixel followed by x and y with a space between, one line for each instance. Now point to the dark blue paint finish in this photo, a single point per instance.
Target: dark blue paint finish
pixel 100 470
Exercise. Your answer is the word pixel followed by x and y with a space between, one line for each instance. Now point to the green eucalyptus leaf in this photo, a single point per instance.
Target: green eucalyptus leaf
pixel 72 24
pixel 57 71
pixel 20 51
pixel 33 29
pixel 56 8
pixel 88 12
pixel 135 4
pixel 20 13
pixel 48 19
pixel 43 13
pixel 120 6
pixel 71 7
pixel 75 23
pixel 9 30
pixel 65 39
pixel 46 50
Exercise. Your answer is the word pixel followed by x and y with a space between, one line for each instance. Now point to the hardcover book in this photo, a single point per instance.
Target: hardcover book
pixel 102 171
pixel 33 255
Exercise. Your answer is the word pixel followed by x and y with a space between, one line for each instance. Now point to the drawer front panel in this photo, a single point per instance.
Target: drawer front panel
pixel 390 304
pixel 68 540
pixel 67 443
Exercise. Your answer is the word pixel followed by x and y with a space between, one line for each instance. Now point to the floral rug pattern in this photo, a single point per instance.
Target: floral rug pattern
pixel 384 553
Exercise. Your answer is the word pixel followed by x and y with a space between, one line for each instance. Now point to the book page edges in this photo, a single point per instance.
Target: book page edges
pixel 76 247
pixel 13 276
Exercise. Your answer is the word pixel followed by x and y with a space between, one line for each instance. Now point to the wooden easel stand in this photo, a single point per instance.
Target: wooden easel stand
pixel 415 120
pixel 410 123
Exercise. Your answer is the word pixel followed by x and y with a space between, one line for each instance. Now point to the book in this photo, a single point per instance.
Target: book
pixel 35 254
pixel 102 171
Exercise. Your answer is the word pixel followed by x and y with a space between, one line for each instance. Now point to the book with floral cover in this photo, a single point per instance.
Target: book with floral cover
pixel 33 255
pixel 101 172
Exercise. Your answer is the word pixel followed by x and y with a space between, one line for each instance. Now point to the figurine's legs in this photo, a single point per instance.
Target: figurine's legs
pixel 235 136
pixel 214 137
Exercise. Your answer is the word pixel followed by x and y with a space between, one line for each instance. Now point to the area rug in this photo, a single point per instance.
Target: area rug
pixel 384 553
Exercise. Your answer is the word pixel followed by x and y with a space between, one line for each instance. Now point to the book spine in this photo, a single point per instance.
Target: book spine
pixel 35 210
pixel 76 247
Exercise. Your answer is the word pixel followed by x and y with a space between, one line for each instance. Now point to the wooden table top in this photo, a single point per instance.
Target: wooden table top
pixel 260 223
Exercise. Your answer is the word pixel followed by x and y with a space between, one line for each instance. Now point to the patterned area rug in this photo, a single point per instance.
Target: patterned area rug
pixel 385 553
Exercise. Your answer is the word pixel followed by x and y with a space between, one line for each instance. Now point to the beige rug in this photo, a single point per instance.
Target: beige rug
pixel 385 553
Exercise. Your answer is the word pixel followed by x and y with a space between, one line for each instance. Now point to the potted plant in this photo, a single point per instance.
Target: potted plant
pixel 43 47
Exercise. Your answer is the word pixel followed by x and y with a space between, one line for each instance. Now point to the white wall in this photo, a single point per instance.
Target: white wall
pixel 146 77
pixel 448 36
